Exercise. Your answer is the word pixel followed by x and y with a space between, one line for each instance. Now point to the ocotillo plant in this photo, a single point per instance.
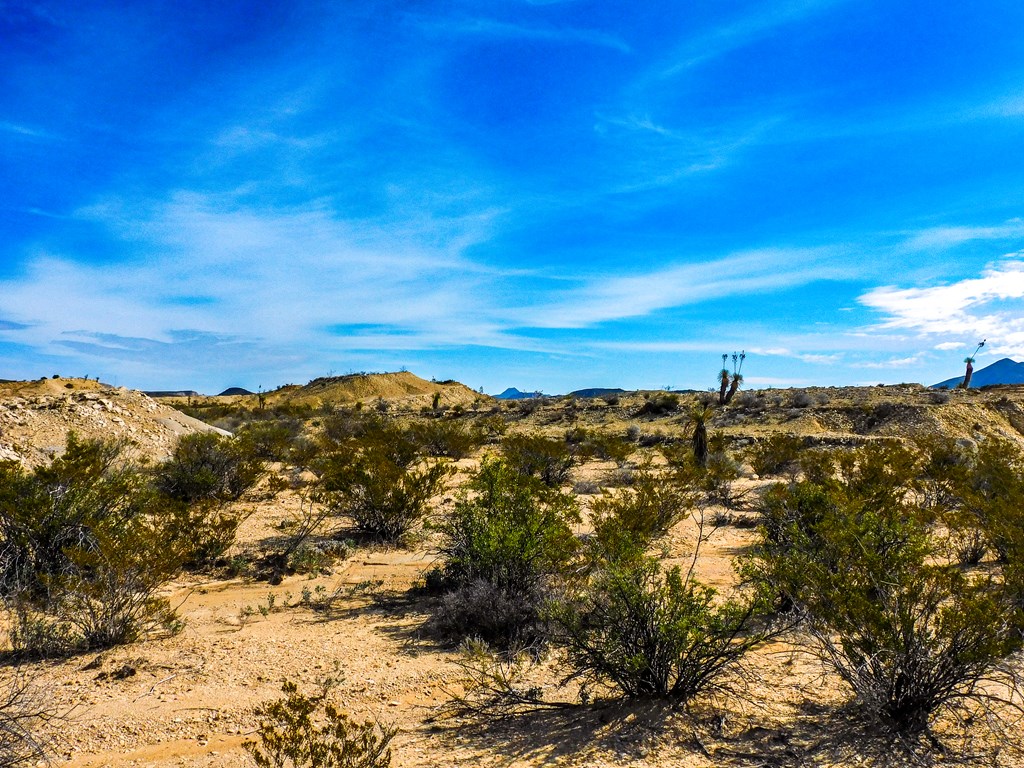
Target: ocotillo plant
pixel 970 366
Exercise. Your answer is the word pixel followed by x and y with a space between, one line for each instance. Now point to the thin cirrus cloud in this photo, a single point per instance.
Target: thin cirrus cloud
pixel 627 296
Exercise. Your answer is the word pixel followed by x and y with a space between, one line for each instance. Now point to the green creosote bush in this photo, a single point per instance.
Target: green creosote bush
pixel 854 552
pixel 635 516
pixel 443 437
pixel 381 495
pixel 206 466
pixel 300 731
pixel 86 544
pixel 653 633
pixel 589 444
pixel 775 453
pixel 549 460
pixel 504 548
pixel 270 440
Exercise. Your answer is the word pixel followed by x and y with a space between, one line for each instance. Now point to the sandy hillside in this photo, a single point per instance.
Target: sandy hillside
pixel 401 389
pixel 36 417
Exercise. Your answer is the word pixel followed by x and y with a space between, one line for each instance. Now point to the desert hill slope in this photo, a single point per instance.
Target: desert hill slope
pixel 36 417
pixel 401 388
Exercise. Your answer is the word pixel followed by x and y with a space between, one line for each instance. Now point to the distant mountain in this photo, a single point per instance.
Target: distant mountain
pixel 596 392
pixel 173 393
pixel 1005 371
pixel 234 391
pixel 514 394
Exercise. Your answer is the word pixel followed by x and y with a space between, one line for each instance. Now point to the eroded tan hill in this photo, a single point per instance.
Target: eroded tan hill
pixel 36 417
pixel 401 389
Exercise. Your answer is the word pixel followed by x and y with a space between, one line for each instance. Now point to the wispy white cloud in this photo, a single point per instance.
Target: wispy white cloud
pixel 894 362
pixel 742 32
pixel 944 238
pixel 26 131
pixel 618 297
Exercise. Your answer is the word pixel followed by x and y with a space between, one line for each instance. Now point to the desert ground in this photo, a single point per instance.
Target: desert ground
pixel 188 699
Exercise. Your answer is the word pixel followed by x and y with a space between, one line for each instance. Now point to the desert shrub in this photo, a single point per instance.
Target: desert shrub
pixel 269 440
pixel 750 401
pixel 443 437
pixel 854 553
pixel 203 532
pixel 503 547
pixel 589 444
pixel 25 708
pixel 381 495
pixel 585 488
pixel 493 427
pixel 659 404
pixel 653 634
pixel 300 731
pixel 801 399
pixel 635 516
pixel 208 467
pixel 774 453
pixel 993 496
pixel 713 478
pixel 537 456
pixel 85 546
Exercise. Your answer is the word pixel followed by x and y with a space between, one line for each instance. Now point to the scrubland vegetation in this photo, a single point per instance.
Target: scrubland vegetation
pixel 897 563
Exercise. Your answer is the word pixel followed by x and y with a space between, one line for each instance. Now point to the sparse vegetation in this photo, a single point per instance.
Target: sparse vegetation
pixel 300 731
pixel 208 467
pixel 85 545
pixel 851 549
pixel 549 460
pixel 504 548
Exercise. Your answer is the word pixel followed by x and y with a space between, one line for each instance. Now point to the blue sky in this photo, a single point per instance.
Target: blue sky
pixel 535 193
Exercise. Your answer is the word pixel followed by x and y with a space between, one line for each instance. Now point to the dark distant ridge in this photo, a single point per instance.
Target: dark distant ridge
pixel 234 391
pixel 597 392
pixel 514 394
pixel 173 393
pixel 1005 371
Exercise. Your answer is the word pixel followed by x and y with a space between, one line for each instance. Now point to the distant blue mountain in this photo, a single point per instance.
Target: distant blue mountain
pixel 514 394
pixel 1005 371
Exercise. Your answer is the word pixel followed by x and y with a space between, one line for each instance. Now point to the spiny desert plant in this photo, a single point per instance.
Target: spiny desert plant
pixel 699 414
pixel 300 731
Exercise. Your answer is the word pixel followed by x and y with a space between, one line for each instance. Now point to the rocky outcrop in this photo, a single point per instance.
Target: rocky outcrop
pixel 34 428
